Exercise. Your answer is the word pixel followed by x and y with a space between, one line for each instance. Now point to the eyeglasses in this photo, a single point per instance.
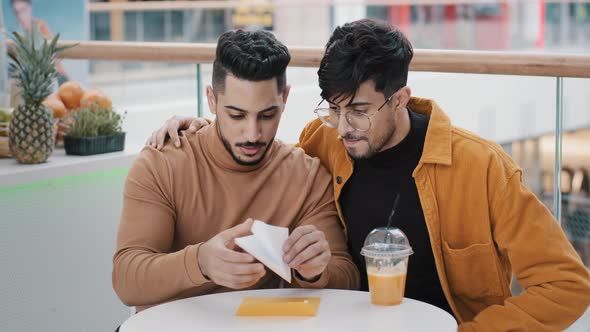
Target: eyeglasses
pixel 360 121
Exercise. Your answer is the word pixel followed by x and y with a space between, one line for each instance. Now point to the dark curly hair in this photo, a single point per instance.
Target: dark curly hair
pixel 251 56
pixel 364 50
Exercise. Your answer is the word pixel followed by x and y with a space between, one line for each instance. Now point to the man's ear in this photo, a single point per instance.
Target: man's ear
pixel 286 93
pixel 403 98
pixel 211 100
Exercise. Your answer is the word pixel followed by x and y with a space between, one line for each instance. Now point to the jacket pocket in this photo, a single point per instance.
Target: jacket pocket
pixel 472 272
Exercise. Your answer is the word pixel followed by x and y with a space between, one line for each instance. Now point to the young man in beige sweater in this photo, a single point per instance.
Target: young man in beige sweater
pixel 183 207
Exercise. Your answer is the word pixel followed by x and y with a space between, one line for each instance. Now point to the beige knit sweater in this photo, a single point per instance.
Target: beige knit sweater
pixel 176 199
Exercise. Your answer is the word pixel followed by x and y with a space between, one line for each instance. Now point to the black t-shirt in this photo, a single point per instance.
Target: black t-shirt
pixel 367 200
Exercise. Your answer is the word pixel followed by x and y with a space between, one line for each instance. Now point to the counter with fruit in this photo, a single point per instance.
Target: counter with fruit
pixel 32 134
pixel 62 165
pixel 73 109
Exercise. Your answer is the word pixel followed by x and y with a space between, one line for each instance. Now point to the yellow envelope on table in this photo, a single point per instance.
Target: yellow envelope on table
pixel 279 306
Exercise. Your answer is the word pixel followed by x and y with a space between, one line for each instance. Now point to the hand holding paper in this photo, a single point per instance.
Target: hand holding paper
pixel 226 267
pixel 266 245
pixel 307 251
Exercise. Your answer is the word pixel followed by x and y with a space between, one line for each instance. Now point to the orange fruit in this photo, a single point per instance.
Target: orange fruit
pixel 70 94
pixel 96 97
pixel 58 108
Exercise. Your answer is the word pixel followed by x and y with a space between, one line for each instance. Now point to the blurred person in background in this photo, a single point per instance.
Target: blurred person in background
pixel 23 12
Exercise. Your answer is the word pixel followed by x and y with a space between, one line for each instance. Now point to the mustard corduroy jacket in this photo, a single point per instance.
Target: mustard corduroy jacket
pixel 484 224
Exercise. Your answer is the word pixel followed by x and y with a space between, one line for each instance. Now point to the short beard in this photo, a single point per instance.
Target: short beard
pixel 374 148
pixel 238 160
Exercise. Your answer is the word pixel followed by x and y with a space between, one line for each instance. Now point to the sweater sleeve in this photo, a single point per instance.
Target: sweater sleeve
pixel 556 283
pixel 320 211
pixel 145 270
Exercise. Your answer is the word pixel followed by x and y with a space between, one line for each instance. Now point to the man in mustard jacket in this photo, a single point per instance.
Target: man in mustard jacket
pixel 469 218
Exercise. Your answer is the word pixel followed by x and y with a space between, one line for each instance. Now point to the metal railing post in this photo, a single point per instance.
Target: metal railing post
pixel 558 152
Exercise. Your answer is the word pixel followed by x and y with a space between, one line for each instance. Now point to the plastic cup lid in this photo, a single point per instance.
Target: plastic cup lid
pixel 387 242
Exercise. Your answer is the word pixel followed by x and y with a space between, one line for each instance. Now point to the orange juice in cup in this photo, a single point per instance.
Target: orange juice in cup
pixel 386 254
pixel 387 288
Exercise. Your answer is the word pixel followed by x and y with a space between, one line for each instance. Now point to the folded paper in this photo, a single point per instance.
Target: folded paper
pixel 266 245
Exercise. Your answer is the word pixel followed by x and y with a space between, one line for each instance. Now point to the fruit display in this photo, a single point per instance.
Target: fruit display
pixel 70 94
pixel 96 97
pixel 31 129
pixel 56 105
pixel 70 97
pixel 4 116
pixel 4 121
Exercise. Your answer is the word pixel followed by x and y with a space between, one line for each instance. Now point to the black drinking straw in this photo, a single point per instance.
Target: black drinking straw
pixel 392 214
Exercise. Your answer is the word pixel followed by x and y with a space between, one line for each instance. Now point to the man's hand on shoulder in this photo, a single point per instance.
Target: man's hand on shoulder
pixel 171 129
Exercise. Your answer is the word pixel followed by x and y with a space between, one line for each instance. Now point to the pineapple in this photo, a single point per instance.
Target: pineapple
pixel 32 136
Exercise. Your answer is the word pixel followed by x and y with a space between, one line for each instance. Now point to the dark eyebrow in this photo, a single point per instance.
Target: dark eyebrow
pixel 358 103
pixel 271 108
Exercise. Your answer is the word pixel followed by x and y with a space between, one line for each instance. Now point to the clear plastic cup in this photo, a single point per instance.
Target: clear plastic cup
pixel 386 252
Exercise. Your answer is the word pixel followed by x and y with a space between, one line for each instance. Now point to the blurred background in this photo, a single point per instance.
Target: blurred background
pixel 57 236
pixel 516 111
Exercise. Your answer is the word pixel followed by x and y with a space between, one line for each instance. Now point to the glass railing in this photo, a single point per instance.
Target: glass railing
pixel 515 99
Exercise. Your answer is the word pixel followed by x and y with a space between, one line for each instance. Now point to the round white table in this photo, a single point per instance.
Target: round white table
pixel 339 310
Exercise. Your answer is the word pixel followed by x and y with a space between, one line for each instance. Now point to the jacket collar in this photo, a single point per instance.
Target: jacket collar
pixel 437 144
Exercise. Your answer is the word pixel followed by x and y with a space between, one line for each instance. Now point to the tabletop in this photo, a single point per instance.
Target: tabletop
pixel 61 165
pixel 339 310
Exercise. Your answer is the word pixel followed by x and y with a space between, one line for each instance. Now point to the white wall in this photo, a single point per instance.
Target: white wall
pixel 57 239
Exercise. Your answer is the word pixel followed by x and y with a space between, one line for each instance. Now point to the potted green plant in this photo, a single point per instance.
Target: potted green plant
pixel 93 130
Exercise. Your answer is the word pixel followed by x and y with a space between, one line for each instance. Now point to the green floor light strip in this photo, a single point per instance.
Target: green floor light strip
pixel 99 176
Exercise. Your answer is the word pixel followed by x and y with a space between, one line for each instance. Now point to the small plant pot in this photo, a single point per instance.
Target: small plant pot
pixel 85 146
